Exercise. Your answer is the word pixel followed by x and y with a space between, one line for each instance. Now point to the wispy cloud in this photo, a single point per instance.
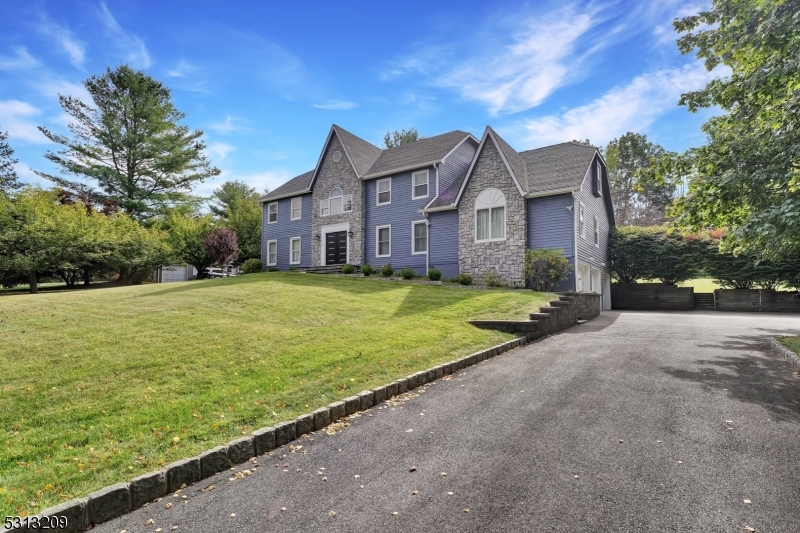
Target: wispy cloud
pixel 182 69
pixel 229 125
pixel 131 46
pixel 55 87
pixel 21 60
pixel 631 107
pixel 219 151
pixel 337 105
pixel 64 38
pixel 16 119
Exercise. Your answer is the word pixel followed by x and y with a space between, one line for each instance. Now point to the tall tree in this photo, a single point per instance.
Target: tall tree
pixel 186 234
pixel 395 138
pixel 245 220
pixel 129 144
pixel 221 245
pixel 642 183
pixel 748 172
pixel 228 195
pixel 8 176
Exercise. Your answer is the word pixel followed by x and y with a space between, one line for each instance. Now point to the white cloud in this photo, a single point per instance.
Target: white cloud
pixel 21 60
pixel 226 126
pixel 182 69
pixel 219 150
pixel 74 48
pixel 25 173
pixel 336 105
pixel 131 46
pixel 52 88
pixel 631 107
pixel 522 74
pixel 16 119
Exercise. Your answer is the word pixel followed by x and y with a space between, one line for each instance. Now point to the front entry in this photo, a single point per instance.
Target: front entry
pixel 336 248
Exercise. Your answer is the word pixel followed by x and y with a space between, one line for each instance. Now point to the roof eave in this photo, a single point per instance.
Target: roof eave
pixel 400 169
pixel 440 208
pixel 264 199
pixel 552 192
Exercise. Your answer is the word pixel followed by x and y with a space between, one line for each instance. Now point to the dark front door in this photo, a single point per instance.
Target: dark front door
pixel 336 248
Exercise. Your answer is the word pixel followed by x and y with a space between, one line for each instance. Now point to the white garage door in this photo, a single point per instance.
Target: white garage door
pixel 174 273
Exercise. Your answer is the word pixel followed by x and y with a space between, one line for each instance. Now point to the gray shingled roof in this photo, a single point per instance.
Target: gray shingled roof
pixel 416 153
pixel 297 184
pixel 362 154
pixel 557 167
pixel 513 158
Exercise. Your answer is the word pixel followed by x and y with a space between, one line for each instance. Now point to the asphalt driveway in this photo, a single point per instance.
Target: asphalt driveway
pixel 635 421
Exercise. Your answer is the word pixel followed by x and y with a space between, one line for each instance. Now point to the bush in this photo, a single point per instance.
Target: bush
pixel 387 270
pixel 463 279
pixel 434 274
pixel 491 280
pixel 367 269
pixel 653 253
pixel 546 268
pixel 252 266
pixel 348 269
pixel 406 273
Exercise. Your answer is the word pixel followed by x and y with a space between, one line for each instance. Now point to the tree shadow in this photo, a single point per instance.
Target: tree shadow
pixel 185 286
pixel 753 377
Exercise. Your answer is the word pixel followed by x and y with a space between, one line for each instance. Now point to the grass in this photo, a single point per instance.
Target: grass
pixel 701 284
pixel 793 343
pixel 100 386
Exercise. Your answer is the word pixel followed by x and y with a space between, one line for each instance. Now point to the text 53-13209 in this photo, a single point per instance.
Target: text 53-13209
pixel 43 523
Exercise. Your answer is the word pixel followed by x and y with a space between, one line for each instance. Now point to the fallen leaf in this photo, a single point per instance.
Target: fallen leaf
pixel 620 441
pixel 158 530
pixel 576 476
pixel 415 493
pixel 412 469
pixel 748 528
pixel 173 528
pixel 443 474
pixel 324 479
pixel 449 493
pixel 232 515
pixel 356 476
pixel 680 462
pixel 466 509
pixel 395 513
pixel 409 430
pixel 283 508
pixel 332 514
pixel 149 522
pixel 168 506
pixel 748 501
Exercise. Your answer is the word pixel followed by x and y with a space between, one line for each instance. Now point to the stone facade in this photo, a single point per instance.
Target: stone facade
pixel 505 258
pixel 338 174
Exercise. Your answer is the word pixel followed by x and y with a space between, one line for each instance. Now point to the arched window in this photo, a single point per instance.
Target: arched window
pixel 490 215
pixel 336 203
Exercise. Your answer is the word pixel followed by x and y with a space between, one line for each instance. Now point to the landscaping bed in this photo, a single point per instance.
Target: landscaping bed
pixel 793 343
pixel 101 386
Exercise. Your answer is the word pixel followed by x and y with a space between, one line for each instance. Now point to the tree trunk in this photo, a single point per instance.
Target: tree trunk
pixel 33 282
pixel 124 273
pixel 87 276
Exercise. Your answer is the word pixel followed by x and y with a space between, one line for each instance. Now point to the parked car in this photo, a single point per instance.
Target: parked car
pixel 218 273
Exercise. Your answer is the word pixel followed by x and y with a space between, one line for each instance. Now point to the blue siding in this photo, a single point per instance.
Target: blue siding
pixel 593 206
pixel 285 229
pixel 456 165
pixel 399 215
pixel 550 226
pixel 444 241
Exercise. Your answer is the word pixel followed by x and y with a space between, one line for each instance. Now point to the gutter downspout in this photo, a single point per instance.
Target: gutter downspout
pixel 428 225
pixel 575 208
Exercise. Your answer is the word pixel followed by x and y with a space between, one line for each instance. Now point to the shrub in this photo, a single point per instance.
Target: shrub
pixel 463 279
pixel 367 269
pixel 546 268
pixel 434 274
pixel 348 269
pixel 492 280
pixel 252 266
pixel 387 270
pixel 653 253
pixel 406 273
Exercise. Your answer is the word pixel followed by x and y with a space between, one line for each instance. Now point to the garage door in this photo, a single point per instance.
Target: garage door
pixel 174 273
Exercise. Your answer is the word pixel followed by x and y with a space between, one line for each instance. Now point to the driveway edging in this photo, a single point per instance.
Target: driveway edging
pixel 779 349
pixel 87 512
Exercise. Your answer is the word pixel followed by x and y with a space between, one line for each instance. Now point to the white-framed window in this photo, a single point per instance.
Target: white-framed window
pixel 384 192
pixel 336 203
pixel 597 232
pixel 419 237
pixel 599 181
pixel 272 253
pixel 419 184
pixel 490 215
pixel 272 213
pixel 581 222
pixel 383 241
pixel 294 251
pixel 297 208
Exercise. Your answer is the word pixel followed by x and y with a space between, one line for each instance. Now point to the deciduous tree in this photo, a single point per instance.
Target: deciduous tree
pixel 222 246
pixel 395 138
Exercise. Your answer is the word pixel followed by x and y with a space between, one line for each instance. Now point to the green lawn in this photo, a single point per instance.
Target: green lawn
pixel 701 284
pixel 100 386
pixel 793 343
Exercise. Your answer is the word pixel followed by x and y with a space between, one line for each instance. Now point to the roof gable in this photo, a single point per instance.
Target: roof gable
pixel 420 153
pixel 557 167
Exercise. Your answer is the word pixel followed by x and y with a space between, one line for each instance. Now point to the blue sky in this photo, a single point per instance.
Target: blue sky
pixel 265 80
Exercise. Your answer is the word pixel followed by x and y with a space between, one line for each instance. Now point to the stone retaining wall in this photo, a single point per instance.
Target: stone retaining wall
pixel 651 297
pixel 757 300
pixel 558 316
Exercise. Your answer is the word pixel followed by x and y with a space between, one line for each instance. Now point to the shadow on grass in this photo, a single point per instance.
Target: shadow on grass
pixel 754 377
pixel 16 291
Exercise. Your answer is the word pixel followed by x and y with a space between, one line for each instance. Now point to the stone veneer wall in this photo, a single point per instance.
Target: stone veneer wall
pixel 342 175
pixel 507 257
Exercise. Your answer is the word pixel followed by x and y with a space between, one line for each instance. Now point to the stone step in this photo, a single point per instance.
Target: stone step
pixel 539 316
pixel 559 303
pixel 549 309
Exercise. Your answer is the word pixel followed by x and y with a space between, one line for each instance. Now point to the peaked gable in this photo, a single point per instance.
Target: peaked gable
pixel 359 152
pixel 557 167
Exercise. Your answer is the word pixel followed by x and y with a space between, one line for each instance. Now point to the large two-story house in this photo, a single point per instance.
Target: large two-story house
pixel 452 202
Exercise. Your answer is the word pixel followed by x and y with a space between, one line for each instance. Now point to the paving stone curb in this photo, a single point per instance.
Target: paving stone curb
pixel 116 500
pixel 779 349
